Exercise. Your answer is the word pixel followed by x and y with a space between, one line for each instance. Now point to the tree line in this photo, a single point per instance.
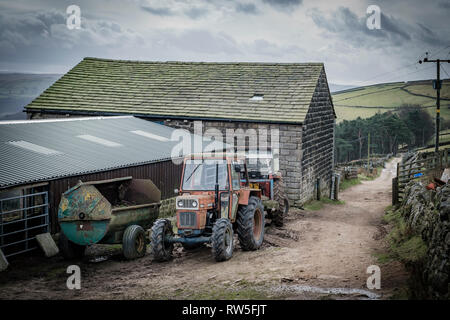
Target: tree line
pixel 410 126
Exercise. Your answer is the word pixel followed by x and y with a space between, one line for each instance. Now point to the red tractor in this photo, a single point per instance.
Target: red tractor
pixel 213 203
pixel 263 171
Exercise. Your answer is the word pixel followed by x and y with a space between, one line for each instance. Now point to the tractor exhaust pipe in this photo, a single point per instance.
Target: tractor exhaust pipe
pixel 216 191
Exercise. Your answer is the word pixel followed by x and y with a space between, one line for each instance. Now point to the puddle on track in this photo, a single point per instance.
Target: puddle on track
pixel 360 293
pixel 98 259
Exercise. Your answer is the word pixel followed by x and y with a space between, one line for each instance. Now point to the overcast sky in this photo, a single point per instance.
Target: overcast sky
pixel 34 36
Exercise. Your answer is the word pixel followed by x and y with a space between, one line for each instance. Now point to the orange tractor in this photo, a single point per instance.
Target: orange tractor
pixel 213 203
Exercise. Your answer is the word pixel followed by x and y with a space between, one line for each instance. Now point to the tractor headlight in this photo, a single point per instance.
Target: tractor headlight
pixel 194 203
pixel 180 203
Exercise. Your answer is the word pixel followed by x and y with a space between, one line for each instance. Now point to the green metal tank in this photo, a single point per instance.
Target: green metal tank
pixel 102 211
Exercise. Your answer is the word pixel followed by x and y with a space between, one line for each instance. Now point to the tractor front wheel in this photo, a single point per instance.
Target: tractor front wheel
pixel 222 240
pixel 161 249
pixel 250 224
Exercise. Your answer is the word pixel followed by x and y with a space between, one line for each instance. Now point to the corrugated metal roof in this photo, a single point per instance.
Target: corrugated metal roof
pixel 113 144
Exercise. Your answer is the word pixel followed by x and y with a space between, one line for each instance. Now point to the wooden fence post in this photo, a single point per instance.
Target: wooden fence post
pixel 395 191
pixel 318 189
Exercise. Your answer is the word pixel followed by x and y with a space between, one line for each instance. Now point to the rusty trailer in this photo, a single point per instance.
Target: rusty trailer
pixel 110 212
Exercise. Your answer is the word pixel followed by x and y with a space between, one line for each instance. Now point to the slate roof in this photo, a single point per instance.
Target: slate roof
pixel 42 150
pixel 185 90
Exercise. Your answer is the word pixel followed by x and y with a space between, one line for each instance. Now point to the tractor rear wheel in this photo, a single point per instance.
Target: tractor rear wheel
pixel 250 224
pixel 161 249
pixel 283 203
pixel 69 249
pixel 222 240
pixel 134 242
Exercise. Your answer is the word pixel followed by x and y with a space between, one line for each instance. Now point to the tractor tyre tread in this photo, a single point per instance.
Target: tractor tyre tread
pixel 217 240
pixel 245 220
pixel 279 196
pixel 129 242
pixel 161 251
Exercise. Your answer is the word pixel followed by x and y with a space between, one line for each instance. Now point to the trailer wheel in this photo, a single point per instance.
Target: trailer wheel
pixel 250 224
pixel 133 242
pixel 283 203
pixel 69 249
pixel 222 240
pixel 162 251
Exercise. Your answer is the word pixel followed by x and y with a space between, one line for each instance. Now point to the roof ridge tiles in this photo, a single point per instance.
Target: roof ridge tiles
pixel 206 62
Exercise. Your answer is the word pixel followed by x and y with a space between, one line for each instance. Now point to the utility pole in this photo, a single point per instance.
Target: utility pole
pixel 437 86
pixel 360 144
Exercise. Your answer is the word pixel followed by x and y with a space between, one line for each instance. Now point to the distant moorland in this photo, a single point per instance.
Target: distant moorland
pixel 19 89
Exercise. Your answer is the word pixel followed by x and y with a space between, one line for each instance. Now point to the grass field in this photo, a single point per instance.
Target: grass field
pixel 366 101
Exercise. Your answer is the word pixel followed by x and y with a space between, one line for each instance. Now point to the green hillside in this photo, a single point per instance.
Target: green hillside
pixel 366 101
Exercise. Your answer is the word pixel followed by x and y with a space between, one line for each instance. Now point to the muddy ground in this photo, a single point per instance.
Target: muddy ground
pixel 321 254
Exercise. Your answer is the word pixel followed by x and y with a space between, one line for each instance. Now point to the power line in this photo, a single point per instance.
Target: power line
pixel 434 54
pixel 409 73
pixel 445 71
pixel 402 68
pixel 389 72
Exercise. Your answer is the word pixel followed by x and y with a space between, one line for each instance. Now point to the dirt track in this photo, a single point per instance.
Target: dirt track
pixel 318 254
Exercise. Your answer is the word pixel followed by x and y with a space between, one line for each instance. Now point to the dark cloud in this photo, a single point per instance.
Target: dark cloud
pixel 284 3
pixel 394 32
pixel 428 36
pixel 393 25
pixel 248 8
pixel 444 4
pixel 28 28
pixel 201 41
pixel 35 40
pixel 196 12
pixel 158 11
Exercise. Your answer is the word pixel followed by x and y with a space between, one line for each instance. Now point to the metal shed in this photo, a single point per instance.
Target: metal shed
pixel 40 159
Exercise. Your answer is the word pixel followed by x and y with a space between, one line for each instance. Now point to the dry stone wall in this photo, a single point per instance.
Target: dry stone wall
pixel 428 214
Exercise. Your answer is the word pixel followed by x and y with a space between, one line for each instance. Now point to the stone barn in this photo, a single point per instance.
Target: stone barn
pixel 293 98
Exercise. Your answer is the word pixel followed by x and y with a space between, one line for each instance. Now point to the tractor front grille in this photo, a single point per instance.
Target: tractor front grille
pixel 187 203
pixel 188 219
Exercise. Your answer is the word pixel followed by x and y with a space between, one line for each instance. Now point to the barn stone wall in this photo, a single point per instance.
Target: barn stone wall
pixel 318 142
